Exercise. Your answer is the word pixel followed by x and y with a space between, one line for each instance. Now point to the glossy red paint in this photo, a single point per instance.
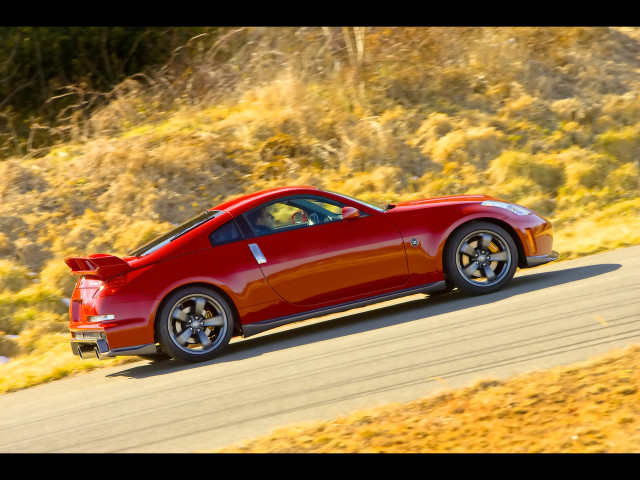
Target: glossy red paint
pixel 338 254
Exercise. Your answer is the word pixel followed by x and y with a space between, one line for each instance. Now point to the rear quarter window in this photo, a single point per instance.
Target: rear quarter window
pixel 227 233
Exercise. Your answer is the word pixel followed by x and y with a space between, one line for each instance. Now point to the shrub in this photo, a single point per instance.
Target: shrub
pixel 546 174
pixel 529 108
pixel 619 110
pixel 574 110
pixel 588 171
pixel 9 346
pixel 623 144
pixel 42 332
pixel 19 309
pixel 57 274
pixel 624 181
pixel 13 277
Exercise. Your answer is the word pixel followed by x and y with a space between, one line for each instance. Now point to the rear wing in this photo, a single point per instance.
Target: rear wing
pixel 98 266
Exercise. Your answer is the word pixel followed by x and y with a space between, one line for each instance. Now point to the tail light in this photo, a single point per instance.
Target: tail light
pixel 111 287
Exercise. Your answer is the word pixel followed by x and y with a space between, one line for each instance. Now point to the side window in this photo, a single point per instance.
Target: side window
pixel 292 213
pixel 283 214
pixel 227 233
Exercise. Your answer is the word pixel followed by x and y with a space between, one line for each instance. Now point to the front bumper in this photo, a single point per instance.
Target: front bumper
pixel 536 260
pixel 93 345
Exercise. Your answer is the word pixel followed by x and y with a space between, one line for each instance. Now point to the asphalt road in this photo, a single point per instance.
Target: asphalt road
pixel 552 315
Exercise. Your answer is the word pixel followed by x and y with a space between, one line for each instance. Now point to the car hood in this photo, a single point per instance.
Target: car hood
pixel 439 201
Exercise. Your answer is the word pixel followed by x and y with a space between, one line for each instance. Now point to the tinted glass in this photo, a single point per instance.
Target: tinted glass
pixel 368 204
pixel 180 230
pixel 293 212
pixel 225 234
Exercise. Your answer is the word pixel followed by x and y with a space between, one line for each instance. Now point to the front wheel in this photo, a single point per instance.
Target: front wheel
pixel 195 324
pixel 480 258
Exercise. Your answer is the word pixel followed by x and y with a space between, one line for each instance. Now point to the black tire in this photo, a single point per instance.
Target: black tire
pixel 194 324
pixel 480 257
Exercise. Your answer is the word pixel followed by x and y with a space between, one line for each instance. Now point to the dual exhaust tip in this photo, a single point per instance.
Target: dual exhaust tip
pixel 91 349
pixel 88 351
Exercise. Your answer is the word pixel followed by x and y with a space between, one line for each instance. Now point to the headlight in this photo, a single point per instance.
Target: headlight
pixel 512 207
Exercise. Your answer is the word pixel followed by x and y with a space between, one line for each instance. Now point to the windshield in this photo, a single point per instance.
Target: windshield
pixel 368 204
pixel 168 237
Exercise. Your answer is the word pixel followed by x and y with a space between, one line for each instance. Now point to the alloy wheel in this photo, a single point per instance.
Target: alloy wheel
pixel 197 324
pixel 483 258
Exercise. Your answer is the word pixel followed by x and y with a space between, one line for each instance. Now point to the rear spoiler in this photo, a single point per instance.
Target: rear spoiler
pixel 98 266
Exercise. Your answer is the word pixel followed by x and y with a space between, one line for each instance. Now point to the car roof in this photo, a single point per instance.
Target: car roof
pixel 243 203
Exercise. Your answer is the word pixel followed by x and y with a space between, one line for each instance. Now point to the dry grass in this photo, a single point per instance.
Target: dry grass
pixel 53 360
pixel 591 407
pixel 611 227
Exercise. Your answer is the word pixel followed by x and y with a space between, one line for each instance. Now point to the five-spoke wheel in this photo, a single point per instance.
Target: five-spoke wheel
pixel 480 258
pixel 194 324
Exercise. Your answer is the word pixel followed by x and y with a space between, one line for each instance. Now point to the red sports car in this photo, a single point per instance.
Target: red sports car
pixel 287 254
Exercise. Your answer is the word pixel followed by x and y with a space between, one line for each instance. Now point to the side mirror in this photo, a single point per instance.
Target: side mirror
pixel 350 213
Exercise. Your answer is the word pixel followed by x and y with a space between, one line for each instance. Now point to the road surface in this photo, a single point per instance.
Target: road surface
pixel 557 314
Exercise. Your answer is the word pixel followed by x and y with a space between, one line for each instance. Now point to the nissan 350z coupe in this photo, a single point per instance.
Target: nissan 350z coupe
pixel 287 254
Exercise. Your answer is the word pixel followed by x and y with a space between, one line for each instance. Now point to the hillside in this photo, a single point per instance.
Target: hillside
pixel 546 117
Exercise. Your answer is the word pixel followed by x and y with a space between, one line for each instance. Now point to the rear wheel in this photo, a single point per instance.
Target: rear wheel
pixel 195 324
pixel 480 258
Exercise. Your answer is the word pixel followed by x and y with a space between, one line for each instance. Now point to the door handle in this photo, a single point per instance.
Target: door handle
pixel 257 253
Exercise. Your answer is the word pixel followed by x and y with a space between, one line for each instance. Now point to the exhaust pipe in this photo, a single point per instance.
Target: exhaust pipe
pixel 91 349
pixel 87 351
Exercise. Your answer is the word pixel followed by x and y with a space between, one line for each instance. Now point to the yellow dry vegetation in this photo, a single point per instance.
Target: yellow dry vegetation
pixel 591 407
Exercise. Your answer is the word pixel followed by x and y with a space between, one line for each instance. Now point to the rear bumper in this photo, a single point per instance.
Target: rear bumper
pixel 536 260
pixel 99 348
pixel 103 328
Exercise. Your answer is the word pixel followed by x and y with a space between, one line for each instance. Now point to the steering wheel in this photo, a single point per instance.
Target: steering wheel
pixel 314 219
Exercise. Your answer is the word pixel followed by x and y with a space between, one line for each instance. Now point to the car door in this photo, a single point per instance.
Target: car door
pixel 313 255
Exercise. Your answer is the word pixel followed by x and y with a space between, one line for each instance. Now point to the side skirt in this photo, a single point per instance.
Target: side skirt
pixel 259 327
